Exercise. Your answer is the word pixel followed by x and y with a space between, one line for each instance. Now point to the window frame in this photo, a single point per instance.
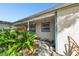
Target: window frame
pixel 44 26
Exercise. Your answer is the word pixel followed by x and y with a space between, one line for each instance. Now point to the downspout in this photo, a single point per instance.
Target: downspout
pixel 28 25
pixel 56 29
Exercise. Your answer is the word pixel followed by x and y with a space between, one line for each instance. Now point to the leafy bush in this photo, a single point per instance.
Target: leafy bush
pixel 12 42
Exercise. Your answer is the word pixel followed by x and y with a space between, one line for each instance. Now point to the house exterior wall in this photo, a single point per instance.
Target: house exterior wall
pixel 45 35
pixel 68 25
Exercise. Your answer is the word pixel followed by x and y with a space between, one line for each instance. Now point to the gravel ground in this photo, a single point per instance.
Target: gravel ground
pixel 44 49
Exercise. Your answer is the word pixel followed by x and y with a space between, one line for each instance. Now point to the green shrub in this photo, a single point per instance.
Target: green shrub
pixel 13 41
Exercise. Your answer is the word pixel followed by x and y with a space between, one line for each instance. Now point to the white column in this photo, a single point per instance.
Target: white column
pixel 28 25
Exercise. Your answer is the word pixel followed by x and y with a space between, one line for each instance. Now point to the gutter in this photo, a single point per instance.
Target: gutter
pixel 55 31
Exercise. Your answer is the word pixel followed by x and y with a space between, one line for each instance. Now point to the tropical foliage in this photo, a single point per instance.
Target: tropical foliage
pixel 13 42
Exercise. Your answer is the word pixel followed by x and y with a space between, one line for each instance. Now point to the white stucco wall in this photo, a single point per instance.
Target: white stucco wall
pixel 47 35
pixel 68 25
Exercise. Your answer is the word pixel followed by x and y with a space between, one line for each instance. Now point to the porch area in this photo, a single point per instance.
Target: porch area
pixel 44 28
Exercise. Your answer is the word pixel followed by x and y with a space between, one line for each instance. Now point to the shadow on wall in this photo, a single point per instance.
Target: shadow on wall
pixel 67 21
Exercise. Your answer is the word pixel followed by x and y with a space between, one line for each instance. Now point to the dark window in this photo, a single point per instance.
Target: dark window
pixel 32 28
pixel 45 27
